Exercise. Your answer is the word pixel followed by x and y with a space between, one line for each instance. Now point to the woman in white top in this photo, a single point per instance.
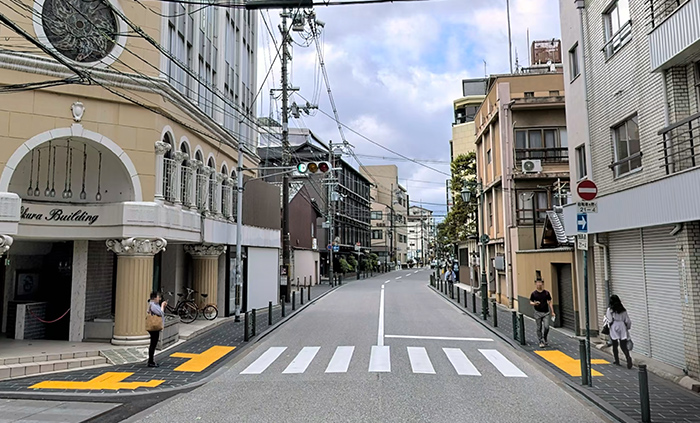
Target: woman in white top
pixel 620 324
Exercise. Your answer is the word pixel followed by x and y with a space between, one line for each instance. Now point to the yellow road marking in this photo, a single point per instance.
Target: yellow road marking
pixel 199 362
pixel 109 380
pixel 569 365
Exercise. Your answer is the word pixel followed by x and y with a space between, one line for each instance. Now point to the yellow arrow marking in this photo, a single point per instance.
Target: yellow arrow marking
pixel 199 362
pixel 569 365
pixel 109 380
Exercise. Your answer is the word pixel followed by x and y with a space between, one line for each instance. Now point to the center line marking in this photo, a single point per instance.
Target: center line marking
pixel 398 278
pixel 380 329
pixel 439 338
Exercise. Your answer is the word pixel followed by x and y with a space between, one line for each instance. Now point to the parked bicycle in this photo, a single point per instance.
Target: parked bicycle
pixel 188 310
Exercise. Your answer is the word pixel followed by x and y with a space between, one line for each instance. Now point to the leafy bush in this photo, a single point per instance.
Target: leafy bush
pixel 352 261
pixel 344 266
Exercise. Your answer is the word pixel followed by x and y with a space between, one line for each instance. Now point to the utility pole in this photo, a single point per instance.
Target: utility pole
pixel 286 155
pixel 510 42
pixel 391 238
pixel 330 210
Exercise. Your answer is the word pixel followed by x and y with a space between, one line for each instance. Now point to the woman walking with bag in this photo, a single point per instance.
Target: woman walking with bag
pixel 154 324
pixel 619 324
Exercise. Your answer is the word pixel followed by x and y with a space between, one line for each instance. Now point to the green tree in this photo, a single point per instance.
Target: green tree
pixel 460 222
pixel 344 266
pixel 352 261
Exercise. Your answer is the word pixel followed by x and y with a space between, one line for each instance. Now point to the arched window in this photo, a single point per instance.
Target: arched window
pixel 186 175
pixel 201 194
pixel 212 183
pixel 169 170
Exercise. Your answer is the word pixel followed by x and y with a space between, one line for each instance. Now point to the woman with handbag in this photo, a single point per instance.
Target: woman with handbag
pixel 154 324
pixel 618 324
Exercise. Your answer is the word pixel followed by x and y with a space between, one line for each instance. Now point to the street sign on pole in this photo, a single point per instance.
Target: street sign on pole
pixel 587 206
pixel 582 222
pixel 582 242
pixel 587 190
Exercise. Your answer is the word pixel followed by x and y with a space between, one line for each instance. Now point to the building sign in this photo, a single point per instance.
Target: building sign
pixel 57 214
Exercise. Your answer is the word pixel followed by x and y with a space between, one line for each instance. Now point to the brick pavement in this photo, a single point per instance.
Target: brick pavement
pixel 228 334
pixel 618 386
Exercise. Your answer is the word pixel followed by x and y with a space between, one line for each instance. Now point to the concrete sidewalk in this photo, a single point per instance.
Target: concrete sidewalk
pixel 32 411
pixel 616 389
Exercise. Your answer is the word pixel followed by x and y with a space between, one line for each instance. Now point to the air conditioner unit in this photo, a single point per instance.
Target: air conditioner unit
pixel 532 166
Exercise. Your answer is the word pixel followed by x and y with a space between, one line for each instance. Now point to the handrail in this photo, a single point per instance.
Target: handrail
pixel 679 124
pixel 626 159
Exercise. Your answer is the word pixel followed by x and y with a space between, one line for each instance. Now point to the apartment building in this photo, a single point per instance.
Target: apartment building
pixel 389 215
pixel 143 131
pixel 463 134
pixel 634 84
pixel 419 234
pixel 522 163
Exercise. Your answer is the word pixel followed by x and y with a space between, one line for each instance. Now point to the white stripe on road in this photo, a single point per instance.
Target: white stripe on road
pixel 341 360
pixel 387 281
pixel 460 362
pixel 398 278
pixel 420 362
pixel 503 365
pixel 264 361
pixel 439 338
pixel 380 328
pixel 380 360
pixel 302 360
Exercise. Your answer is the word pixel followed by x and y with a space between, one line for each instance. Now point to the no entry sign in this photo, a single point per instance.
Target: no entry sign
pixel 587 190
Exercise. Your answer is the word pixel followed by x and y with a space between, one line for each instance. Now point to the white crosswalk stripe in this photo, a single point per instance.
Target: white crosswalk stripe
pixel 264 361
pixel 420 362
pixel 501 363
pixel 302 360
pixel 341 360
pixel 380 361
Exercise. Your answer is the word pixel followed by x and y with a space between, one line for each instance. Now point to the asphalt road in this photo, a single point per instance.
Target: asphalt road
pixel 417 360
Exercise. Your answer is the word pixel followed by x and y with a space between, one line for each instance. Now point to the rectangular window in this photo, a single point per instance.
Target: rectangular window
pixel 488 156
pixel 550 144
pixel 490 214
pixel 617 27
pixel 574 70
pixel 529 94
pixel 628 155
pixel 376 215
pixel 581 167
pixel 697 87
pixel 525 206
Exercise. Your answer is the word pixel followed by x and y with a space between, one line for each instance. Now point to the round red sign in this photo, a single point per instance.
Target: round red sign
pixel 587 190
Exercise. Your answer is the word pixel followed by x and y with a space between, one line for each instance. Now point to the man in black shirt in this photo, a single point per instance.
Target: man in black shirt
pixel 542 301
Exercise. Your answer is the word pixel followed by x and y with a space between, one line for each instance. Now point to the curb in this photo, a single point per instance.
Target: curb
pixel 592 398
pixel 238 354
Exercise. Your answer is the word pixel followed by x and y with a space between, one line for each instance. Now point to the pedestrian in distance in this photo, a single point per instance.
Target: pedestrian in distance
pixel 542 301
pixel 155 319
pixel 619 324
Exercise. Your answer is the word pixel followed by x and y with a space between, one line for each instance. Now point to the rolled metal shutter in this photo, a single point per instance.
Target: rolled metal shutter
pixel 627 282
pixel 566 297
pixel 663 296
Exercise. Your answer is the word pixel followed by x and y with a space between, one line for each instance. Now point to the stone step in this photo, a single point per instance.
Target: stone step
pixel 16 370
pixel 48 357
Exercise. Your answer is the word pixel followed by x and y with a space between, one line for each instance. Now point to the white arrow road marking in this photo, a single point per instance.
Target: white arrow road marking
pixel 264 361
pixel 420 362
pixel 501 363
pixel 341 360
pixel 302 360
pixel 460 362
pixel 380 359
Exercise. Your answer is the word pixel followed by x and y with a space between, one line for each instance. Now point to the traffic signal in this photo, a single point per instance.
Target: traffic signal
pixel 313 167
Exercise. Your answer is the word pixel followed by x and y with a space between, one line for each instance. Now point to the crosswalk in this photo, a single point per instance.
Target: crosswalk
pixel 380 361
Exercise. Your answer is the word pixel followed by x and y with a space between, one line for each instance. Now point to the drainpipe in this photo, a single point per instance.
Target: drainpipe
pixel 605 265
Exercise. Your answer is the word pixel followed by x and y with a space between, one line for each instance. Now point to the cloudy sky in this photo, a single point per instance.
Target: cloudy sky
pixel 395 68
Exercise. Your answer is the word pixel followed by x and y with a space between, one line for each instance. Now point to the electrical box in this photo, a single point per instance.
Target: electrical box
pixel 499 263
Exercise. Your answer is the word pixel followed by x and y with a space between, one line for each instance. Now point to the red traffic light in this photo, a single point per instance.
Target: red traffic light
pixel 324 167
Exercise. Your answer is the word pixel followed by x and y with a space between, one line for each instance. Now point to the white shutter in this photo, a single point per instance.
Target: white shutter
pixel 663 296
pixel 627 282
pixel 566 297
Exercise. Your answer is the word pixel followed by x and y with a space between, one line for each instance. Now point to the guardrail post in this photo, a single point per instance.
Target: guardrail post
pixel 495 314
pixel 465 299
pixel 269 313
pixel 515 324
pixel 582 358
pixel 521 325
pixel 452 290
pixel 644 393
pixel 284 307
pixel 474 301
pixel 309 293
pixel 255 322
pixel 294 300
pixel 246 327
pixel 301 297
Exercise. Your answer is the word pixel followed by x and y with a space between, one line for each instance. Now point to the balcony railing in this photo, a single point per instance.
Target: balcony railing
pixel 547 155
pixel 681 149
pixel 226 200
pixel 169 179
pixel 202 191
pixel 660 9
pixel 185 182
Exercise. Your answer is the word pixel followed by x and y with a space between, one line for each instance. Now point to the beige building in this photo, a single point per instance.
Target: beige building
pixel 634 133
pixel 463 133
pixel 522 162
pixel 131 156
pixel 389 215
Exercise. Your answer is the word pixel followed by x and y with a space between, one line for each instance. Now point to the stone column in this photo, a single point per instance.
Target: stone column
pixel 206 270
pixel 218 192
pixel 207 171
pixel 178 156
pixel 134 284
pixel 195 164
pixel 76 327
pixel 232 199
pixel 161 149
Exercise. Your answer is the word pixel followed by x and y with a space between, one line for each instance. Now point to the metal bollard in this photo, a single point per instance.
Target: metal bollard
pixel 515 324
pixel 253 328
pixel 495 314
pixel 309 293
pixel 474 302
pixel 431 280
pixel 269 313
pixel 521 326
pixel 452 291
pixel 294 300
pixel 284 306
pixel 301 297
pixel 340 280
pixel 584 361
pixel 246 327
pixel 644 393
pixel 465 299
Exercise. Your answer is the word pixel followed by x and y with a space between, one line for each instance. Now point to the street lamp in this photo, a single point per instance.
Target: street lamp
pixel 483 239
